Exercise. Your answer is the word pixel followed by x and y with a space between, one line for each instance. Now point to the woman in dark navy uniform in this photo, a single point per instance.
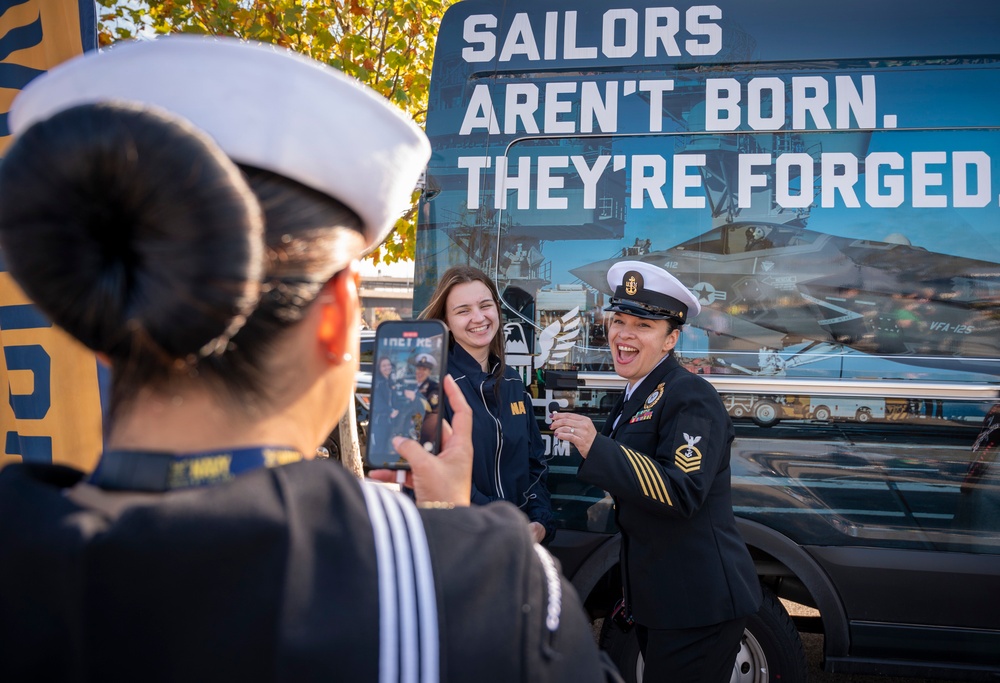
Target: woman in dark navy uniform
pixel 426 385
pixel 427 395
pixel 509 461
pixel 689 581
pixel 192 209
pixel 387 391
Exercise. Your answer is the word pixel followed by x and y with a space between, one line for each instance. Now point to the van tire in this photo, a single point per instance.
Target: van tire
pixel 623 648
pixel 771 649
pixel 822 413
pixel 771 644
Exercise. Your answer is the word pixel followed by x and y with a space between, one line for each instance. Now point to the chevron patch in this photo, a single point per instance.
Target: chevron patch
pixel 687 458
pixel 650 479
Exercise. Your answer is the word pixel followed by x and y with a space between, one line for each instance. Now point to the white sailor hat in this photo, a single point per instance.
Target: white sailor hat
pixel 425 360
pixel 265 107
pixel 648 291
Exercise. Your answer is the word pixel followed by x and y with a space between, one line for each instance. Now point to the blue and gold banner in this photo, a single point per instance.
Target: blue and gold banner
pixel 52 384
pixel 35 35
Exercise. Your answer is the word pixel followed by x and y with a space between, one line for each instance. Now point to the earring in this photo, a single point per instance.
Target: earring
pixel 345 358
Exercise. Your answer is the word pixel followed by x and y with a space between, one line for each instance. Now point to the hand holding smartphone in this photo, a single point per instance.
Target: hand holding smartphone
pixel 409 362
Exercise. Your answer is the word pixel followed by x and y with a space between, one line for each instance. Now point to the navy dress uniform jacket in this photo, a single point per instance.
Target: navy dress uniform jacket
pixel 272 576
pixel 667 466
pixel 509 462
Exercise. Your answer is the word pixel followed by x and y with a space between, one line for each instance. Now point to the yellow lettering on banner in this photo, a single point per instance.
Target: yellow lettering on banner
pixel 73 419
pixel 70 429
pixel 58 24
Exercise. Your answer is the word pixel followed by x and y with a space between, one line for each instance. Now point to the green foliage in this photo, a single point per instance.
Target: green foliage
pixel 387 44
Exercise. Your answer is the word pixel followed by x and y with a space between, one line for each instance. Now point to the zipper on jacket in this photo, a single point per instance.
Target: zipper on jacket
pixel 496 473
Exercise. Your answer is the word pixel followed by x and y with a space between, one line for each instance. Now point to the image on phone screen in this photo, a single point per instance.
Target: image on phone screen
pixel 407 368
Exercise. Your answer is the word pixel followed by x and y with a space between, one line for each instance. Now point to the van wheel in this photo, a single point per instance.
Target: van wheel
pixel 738 411
pixel 623 648
pixel 771 649
pixel 822 413
pixel 863 415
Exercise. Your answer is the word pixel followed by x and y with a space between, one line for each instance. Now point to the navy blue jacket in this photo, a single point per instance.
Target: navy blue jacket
pixel 509 456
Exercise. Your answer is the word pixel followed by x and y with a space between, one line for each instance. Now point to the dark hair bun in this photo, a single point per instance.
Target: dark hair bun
pixel 131 230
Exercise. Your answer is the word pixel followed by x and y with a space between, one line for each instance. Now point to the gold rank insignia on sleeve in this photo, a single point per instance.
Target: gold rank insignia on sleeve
pixel 687 457
pixel 649 476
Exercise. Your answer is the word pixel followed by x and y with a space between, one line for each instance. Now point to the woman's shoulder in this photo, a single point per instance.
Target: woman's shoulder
pixel 681 376
pixel 687 387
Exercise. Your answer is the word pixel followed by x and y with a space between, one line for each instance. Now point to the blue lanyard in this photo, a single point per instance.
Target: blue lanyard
pixel 165 471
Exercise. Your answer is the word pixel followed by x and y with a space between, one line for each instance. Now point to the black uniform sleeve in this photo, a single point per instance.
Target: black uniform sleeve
pixel 672 473
pixel 506 611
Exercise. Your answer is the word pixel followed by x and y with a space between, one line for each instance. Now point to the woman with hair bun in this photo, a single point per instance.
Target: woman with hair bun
pixel 202 239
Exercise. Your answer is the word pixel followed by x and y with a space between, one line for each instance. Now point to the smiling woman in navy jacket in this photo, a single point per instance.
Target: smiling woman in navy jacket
pixel 509 461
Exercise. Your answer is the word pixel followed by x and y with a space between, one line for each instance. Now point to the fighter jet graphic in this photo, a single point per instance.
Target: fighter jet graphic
pixel 775 285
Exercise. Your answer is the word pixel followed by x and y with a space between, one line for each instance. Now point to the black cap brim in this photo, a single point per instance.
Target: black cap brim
pixel 620 307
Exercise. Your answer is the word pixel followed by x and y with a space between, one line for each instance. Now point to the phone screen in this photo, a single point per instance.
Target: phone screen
pixel 408 365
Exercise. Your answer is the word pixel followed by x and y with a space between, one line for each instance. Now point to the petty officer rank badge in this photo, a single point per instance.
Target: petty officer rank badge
pixel 687 457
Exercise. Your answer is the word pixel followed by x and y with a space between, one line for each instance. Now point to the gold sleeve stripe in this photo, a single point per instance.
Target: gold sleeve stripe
pixel 649 477
pixel 640 472
pixel 654 474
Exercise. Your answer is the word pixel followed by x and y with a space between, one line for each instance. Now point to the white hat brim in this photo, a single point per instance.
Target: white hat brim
pixel 264 106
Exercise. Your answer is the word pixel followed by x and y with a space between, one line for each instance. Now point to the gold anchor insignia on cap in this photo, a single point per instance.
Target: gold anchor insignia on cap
pixel 631 286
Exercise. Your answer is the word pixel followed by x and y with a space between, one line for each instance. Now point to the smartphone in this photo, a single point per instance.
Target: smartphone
pixel 407 368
